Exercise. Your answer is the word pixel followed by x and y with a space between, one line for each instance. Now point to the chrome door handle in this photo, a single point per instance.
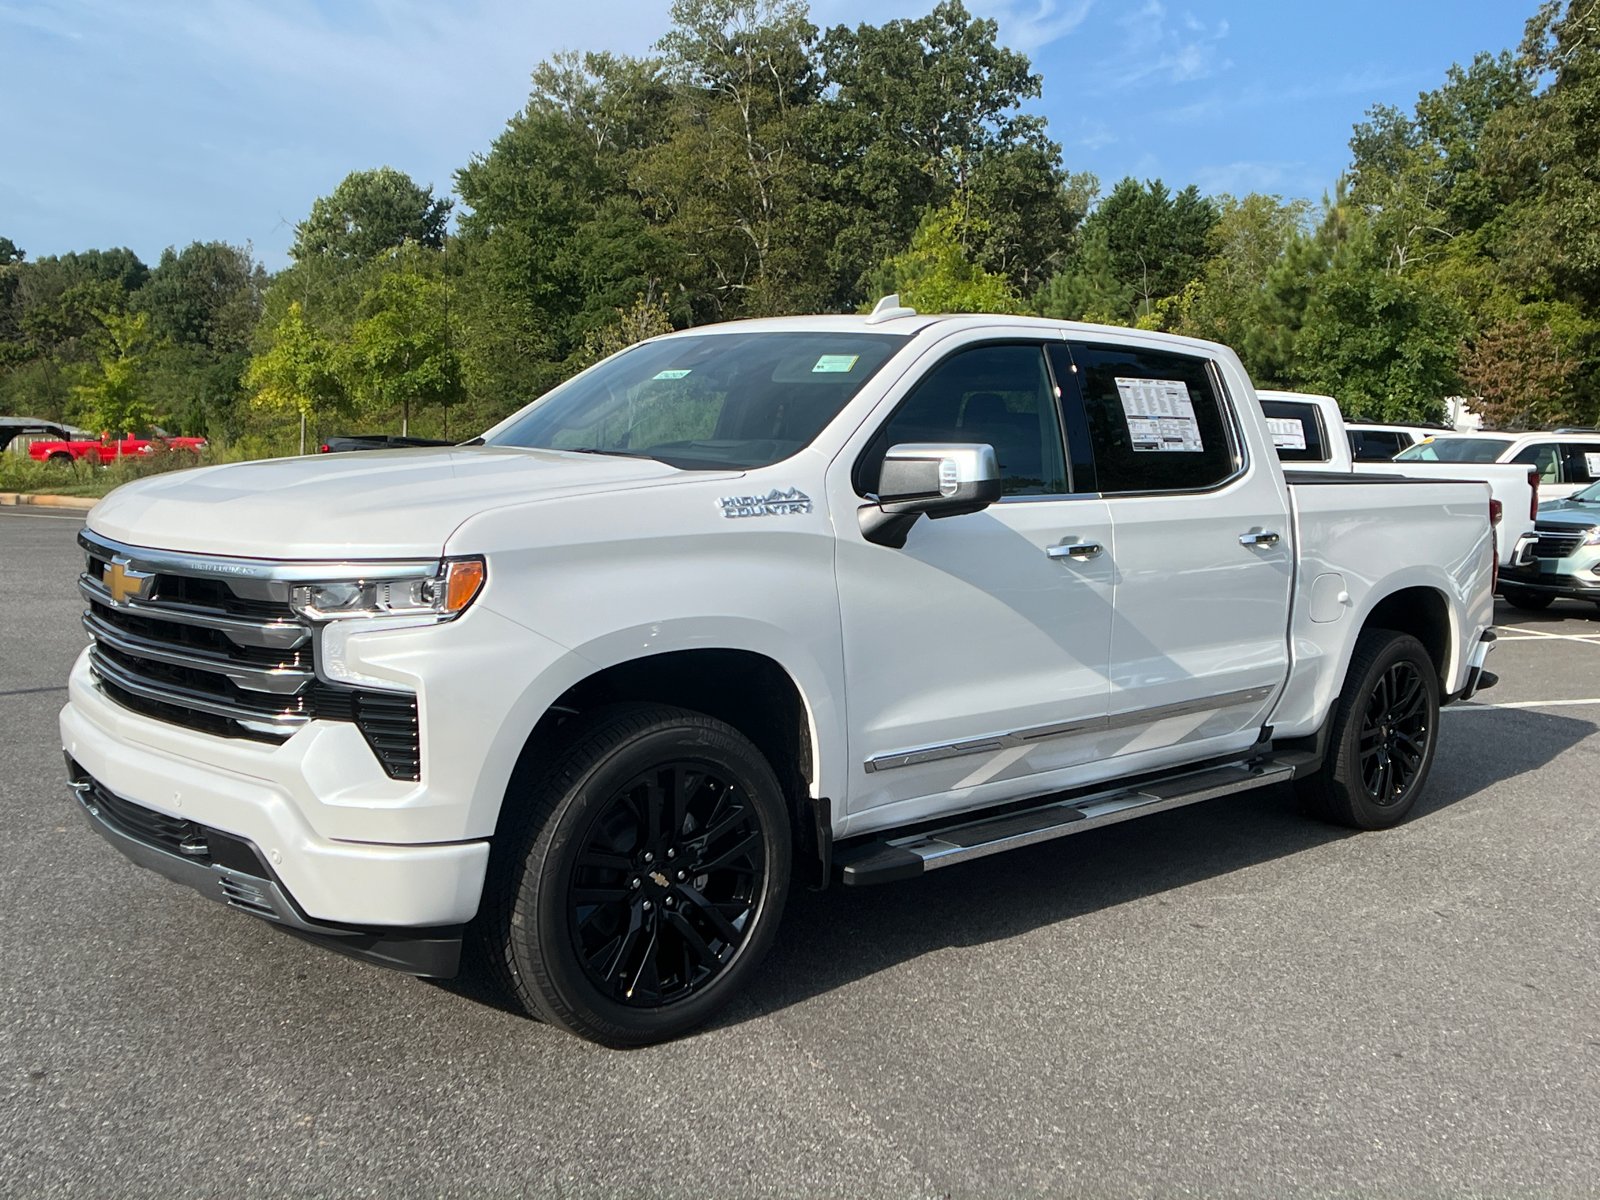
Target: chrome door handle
pixel 1258 538
pixel 1079 550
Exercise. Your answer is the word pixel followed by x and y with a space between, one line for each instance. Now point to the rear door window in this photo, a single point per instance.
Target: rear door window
pixel 1580 461
pixel 1155 420
pixel 1543 457
pixel 1296 429
pixel 1375 445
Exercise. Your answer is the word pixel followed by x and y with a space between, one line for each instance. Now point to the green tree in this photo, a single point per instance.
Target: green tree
pixel 1229 302
pixel 1519 374
pixel 113 396
pixel 299 373
pixel 402 353
pixel 1384 344
pixel 1141 242
pixel 935 274
pixel 369 213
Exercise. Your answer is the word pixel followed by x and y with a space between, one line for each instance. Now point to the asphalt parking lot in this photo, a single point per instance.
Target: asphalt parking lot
pixel 1222 999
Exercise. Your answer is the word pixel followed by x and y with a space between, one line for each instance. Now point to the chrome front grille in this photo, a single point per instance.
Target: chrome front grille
pixel 225 655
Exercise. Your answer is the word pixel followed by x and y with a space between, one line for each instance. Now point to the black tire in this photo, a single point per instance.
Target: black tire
pixel 61 458
pixel 1385 729
pixel 1526 600
pixel 618 916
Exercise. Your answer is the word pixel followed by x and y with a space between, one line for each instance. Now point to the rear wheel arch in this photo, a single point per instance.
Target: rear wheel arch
pixel 1424 613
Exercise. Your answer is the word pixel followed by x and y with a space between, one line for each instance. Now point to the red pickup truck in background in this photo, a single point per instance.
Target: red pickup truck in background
pixel 107 449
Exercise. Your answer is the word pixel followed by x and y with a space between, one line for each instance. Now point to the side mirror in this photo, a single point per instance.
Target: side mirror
pixel 940 479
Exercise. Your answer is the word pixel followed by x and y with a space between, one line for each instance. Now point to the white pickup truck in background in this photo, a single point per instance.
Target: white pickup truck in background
pixel 810 598
pixel 1308 433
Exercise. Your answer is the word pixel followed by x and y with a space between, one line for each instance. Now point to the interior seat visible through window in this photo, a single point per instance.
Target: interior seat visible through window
pixel 998 395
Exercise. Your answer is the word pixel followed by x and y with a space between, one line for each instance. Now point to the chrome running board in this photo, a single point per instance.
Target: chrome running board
pixel 892 858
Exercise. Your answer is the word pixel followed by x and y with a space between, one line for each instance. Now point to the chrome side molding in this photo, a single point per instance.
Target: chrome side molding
pixel 1039 733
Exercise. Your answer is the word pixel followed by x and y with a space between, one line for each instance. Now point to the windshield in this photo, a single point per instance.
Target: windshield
pixel 707 402
pixel 1457 450
pixel 1589 495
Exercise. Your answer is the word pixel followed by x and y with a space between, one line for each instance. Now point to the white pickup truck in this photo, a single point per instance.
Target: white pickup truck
pixel 800 599
pixel 1309 434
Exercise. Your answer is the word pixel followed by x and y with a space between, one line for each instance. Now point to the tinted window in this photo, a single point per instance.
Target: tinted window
pixel 1449 449
pixel 1580 461
pixel 1000 395
pixel 1375 445
pixel 1296 430
pixel 1544 458
pixel 711 401
pixel 1155 420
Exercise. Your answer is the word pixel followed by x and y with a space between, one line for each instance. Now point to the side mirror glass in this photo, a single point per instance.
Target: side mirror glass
pixel 942 479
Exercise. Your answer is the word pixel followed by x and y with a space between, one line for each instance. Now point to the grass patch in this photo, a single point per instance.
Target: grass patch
pixel 19 474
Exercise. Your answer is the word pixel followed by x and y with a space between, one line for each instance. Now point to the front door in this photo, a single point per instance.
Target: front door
pixel 975 657
pixel 1199 641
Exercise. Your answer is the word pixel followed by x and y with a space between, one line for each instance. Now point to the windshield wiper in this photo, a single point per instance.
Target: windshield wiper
pixel 612 453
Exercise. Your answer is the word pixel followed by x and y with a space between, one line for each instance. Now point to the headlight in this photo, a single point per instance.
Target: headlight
pixel 442 594
pixel 1593 539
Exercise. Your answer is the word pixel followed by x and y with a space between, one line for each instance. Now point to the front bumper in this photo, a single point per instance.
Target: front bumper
pixel 1563 581
pixel 234 872
pixel 347 883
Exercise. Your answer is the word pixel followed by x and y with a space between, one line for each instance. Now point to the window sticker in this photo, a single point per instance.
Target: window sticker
pixel 834 363
pixel 671 374
pixel 1160 415
pixel 1288 433
pixel 1591 464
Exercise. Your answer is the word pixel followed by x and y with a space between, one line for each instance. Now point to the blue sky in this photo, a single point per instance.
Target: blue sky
pixel 161 122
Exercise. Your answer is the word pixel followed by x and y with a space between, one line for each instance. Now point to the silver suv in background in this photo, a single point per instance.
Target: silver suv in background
pixel 1565 560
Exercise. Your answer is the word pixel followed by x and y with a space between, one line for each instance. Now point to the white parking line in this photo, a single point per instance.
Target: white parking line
pixel 1538 635
pixel 1471 704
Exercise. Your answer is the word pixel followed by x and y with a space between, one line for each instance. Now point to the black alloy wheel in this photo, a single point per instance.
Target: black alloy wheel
pixel 1381 735
pixel 1395 732
pixel 638 874
pixel 666 883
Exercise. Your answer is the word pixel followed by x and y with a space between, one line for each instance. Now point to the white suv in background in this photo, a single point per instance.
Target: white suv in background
pixel 1567 460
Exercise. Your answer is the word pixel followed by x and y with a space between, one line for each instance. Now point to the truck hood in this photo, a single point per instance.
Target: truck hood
pixel 1569 513
pixel 373 504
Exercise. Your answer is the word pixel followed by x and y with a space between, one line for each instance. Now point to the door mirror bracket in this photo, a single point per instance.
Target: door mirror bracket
pixel 937 478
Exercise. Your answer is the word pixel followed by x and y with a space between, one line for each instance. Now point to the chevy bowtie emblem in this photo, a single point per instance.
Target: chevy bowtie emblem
pixel 124 583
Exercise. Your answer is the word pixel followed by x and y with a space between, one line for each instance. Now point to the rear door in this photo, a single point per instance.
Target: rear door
pixel 1199 642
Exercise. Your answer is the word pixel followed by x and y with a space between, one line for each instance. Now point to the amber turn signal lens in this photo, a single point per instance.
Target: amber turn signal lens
pixel 463 581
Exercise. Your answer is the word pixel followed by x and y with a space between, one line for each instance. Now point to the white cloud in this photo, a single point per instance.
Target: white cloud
pixel 1153 46
pixel 1026 25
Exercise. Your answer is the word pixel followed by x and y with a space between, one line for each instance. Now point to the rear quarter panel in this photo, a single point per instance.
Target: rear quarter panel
pixel 1377 539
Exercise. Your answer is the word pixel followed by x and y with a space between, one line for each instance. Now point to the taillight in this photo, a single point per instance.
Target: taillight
pixel 1496 509
pixel 1533 504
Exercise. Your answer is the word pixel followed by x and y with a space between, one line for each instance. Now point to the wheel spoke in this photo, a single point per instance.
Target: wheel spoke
pixel 628 940
pixel 692 941
pixel 744 846
pixel 647 961
pixel 721 827
pixel 726 928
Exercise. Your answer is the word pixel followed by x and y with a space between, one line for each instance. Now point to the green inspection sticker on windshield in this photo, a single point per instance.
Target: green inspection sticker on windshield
pixel 836 363
pixel 669 374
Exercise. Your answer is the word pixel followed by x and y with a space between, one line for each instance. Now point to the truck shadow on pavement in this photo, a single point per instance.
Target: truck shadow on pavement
pixel 833 938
